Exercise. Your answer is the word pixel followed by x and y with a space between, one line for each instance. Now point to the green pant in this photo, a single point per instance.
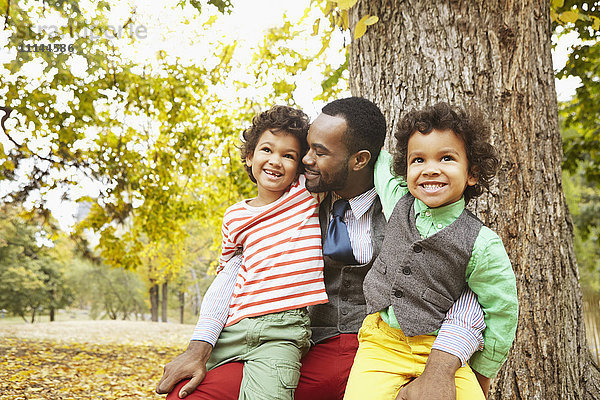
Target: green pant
pixel 271 347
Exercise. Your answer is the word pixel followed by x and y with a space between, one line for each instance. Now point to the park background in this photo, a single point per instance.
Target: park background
pixel 119 157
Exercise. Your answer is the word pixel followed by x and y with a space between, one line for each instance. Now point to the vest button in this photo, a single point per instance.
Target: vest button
pixel 344 298
pixel 344 312
pixel 398 293
pixel 417 248
pixel 406 271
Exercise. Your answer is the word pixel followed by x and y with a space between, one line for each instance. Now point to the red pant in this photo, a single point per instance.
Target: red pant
pixel 324 374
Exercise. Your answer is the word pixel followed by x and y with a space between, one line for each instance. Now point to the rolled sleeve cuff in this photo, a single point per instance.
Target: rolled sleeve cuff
pixel 458 341
pixel 207 330
pixel 489 361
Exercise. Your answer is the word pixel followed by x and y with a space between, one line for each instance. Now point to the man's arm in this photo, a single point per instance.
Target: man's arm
pixel 459 337
pixel 213 315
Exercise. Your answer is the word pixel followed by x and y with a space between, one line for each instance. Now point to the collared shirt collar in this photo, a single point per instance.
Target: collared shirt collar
pixel 444 215
pixel 359 204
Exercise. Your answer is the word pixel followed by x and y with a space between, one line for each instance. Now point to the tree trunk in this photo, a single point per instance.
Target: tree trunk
pixel 165 302
pixel 181 306
pixel 496 55
pixel 153 300
pixel 52 316
pixel 198 299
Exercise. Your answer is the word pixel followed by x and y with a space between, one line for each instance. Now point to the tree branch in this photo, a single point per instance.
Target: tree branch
pixel 7 14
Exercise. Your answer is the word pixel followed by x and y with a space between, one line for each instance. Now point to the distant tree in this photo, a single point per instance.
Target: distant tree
pixel 32 277
pixel 109 292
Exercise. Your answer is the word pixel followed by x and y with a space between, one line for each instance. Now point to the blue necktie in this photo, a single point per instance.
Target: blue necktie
pixel 337 242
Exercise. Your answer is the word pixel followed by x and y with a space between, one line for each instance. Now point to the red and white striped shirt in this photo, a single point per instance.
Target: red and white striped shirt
pixel 282 257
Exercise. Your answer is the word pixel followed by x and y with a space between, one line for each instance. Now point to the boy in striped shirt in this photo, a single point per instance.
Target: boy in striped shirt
pixel 282 271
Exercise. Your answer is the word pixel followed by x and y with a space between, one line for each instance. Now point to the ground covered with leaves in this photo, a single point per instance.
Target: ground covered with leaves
pixel 113 368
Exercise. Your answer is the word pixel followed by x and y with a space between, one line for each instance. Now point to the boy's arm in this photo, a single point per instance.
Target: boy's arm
pixel 389 187
pixel 215 304
pixel 490 276
pixel 461 333
pixel 457 339
pixel 213 315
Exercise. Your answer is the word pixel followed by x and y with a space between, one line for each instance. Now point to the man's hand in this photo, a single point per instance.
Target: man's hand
pixel 189 364
pixel 437 380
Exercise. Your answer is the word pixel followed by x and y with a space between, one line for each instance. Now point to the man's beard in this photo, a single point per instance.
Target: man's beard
pixel 335 182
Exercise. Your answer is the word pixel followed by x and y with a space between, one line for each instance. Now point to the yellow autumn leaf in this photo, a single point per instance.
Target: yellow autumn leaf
pixel 316 27
pixel 328 7
pixel 361 28
pixel 596 23
pixel 557 3
pixel 345 19
pixel 373 19
pixel 346 4
pixel 569 16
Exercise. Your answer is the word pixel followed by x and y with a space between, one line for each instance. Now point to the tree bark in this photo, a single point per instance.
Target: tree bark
pixel 181 306
pixel 153 300
pixel 165 301
pixel 496 55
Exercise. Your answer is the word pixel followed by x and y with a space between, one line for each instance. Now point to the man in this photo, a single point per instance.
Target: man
pixel 344 143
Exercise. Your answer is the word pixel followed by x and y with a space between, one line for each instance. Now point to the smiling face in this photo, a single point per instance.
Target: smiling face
pixel 437 167
pixel 274 164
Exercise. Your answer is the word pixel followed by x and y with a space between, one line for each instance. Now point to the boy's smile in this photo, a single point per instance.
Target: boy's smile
pixel 274 164
pixel 437 168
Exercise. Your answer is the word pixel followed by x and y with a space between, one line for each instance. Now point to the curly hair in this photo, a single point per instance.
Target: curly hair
pixel 365 124
pixel 469 125
pixel 287 120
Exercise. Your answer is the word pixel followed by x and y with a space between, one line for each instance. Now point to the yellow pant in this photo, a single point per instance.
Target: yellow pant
pixel 387 360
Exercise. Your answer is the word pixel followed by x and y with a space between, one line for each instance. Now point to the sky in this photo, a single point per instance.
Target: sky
pixel 163 25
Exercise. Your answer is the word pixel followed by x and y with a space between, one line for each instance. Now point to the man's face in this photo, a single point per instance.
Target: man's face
pixel 326 163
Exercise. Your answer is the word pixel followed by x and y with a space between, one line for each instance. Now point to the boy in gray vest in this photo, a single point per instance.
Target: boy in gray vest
pixel 433 250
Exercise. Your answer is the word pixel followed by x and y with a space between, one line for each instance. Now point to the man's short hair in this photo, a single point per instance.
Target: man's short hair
pixel 365 124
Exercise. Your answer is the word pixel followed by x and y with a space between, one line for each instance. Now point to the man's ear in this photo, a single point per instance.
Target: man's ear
pixel 360 160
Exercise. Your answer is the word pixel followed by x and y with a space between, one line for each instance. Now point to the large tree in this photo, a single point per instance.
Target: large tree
pixel 496 55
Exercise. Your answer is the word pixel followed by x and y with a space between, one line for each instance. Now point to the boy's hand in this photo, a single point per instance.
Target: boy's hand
pixel 437 380
pixel 189 364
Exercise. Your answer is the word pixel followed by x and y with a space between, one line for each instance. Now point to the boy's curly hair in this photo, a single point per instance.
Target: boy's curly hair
pixel 469 125
pixel 287 120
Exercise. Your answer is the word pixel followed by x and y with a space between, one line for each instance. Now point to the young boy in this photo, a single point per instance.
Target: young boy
pixel 432 250
pixel 282 272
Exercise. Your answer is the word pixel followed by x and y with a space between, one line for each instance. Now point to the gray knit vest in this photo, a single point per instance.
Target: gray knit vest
pixel 420 278
pixel 346 309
